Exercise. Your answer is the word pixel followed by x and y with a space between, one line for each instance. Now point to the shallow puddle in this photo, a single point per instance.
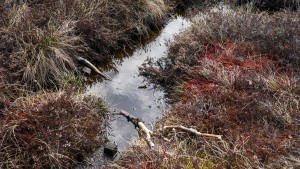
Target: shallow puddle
pixel 130 92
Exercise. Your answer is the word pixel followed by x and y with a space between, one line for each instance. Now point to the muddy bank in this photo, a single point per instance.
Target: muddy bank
pixel 231 76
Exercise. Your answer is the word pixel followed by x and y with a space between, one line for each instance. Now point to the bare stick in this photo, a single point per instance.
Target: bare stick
pixel 94 68
pixel 140 124
pixel 147 133
pixel 192 131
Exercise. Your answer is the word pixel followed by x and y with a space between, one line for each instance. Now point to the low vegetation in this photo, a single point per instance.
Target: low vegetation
pixel 55 130
pixel 41 124
pixel 235 72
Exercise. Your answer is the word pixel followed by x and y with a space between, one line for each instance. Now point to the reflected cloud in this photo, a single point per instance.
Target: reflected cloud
pixel 123 91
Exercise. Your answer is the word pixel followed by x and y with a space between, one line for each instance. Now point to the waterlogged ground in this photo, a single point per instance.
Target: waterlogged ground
pixel 130 92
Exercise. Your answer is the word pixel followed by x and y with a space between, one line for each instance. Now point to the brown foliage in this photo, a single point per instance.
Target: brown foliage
pixel 51 130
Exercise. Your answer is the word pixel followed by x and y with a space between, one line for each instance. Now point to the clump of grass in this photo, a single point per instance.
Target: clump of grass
pixel 258 130
pixel 51 130
pixel 48 55
pixel 114 24
pixel 143 159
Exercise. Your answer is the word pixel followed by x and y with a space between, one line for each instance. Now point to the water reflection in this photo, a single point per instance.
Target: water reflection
pixel 124 91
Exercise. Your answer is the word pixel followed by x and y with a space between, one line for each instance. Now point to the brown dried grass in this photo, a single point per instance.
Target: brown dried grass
pixel 51 130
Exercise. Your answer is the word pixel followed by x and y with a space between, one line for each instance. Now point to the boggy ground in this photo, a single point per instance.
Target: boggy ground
pixel 235 73
pixel 45 121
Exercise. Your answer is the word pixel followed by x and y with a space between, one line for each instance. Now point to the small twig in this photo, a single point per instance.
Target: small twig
pixel 91 66
pixel 191 130
pixel 140 124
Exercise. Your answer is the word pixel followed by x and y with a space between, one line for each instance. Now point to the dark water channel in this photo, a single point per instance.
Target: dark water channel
pixel 130 92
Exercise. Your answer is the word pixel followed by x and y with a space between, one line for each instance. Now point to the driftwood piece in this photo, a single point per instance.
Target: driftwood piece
pixel 91 66
pixel 137 122
pixel 191 130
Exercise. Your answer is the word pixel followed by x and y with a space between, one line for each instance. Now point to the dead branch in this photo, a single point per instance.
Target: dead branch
pixel 140 124
pixel 91 66
pixel 191 130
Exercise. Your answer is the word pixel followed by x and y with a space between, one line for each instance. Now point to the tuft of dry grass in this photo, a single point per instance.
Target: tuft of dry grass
pixel 47 54
pixel 51 130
